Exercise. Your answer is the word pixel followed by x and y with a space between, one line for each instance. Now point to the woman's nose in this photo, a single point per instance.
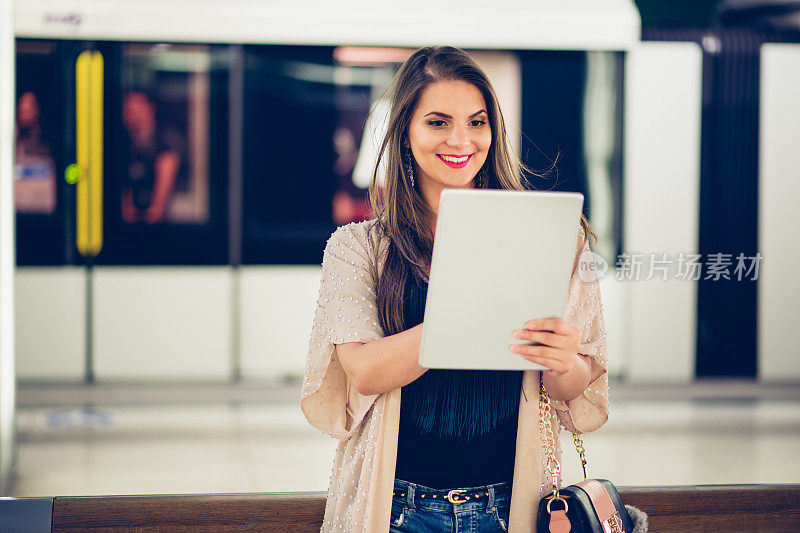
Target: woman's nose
pixel 458 137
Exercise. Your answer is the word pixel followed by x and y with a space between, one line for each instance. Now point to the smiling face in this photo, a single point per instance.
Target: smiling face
pixel 450 136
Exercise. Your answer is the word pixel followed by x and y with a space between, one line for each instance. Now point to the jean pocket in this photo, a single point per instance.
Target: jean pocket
pixel 398 513
pixel 501 515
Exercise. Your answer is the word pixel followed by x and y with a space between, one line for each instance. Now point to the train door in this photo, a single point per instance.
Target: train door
pixel 120 190
pixel 50 283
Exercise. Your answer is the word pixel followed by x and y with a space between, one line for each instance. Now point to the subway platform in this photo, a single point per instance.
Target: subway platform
pixel 126 439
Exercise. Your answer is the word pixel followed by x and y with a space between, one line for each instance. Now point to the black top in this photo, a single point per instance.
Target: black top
pixel 142 157
pixel 478 444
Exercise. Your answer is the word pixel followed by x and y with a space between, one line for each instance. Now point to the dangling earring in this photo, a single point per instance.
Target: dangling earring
pixel 409 165
pixel 480 178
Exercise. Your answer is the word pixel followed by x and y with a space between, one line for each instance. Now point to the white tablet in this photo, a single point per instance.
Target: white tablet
pixel 500 258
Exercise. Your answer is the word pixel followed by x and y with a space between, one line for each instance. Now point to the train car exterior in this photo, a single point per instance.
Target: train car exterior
pixel 189 168
pixel 177 174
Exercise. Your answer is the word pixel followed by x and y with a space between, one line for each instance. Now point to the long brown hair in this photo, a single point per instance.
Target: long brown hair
pixel 402 212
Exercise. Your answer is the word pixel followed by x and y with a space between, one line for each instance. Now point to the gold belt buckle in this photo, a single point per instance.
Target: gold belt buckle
pixel 450 495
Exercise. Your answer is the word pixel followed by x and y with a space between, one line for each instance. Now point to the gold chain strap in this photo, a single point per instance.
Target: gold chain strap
pixel 546 434
pixel 578 440
pixel 548 441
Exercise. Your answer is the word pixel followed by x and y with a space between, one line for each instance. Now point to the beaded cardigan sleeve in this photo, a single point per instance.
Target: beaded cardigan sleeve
pixel 584 310
pixel 346 312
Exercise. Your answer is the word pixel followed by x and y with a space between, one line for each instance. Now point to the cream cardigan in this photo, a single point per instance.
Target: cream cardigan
pixel 362 478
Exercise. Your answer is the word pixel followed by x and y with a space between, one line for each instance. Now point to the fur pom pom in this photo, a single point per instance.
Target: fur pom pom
pixel 638 518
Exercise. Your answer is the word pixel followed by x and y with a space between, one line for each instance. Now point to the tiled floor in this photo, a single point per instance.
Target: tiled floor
pixel 251 438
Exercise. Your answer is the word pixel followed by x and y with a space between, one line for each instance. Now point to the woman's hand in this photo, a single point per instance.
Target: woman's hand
pixel 559 347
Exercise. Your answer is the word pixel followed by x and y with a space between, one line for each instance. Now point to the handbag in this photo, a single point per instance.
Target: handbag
pixel 592 505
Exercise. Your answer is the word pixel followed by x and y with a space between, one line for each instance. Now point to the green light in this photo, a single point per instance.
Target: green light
pixel 72 174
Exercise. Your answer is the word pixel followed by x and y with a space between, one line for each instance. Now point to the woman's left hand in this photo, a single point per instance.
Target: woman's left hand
pixel 560 344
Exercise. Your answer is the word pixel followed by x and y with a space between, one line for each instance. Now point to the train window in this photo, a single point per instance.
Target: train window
pixel 166 156
pixel 314 119
pixel 303 127
pixel 310 140
pixel 165 118
pixel 37 154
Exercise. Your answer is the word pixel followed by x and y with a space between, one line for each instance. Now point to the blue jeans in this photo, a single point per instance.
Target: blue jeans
pixel 421 509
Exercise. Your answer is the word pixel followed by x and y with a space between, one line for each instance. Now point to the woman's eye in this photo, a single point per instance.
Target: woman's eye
pixel 439 123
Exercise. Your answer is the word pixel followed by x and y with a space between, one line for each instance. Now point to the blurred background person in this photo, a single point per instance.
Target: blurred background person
pixel 154 161
pixel 34 168
pixel 350 202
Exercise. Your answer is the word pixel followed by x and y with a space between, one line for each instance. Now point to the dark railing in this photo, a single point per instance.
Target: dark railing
pixel 735 508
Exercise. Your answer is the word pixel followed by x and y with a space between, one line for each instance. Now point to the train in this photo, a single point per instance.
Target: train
pixel 179 167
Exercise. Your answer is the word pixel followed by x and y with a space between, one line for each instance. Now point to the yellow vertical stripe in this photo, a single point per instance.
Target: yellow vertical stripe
pixel 96 156
pixel 82 79
pixel 89 151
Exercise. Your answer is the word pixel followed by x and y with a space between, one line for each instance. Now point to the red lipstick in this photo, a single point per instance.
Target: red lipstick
pixel 452 164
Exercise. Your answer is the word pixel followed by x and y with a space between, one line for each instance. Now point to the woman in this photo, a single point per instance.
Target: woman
pixel 437 450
